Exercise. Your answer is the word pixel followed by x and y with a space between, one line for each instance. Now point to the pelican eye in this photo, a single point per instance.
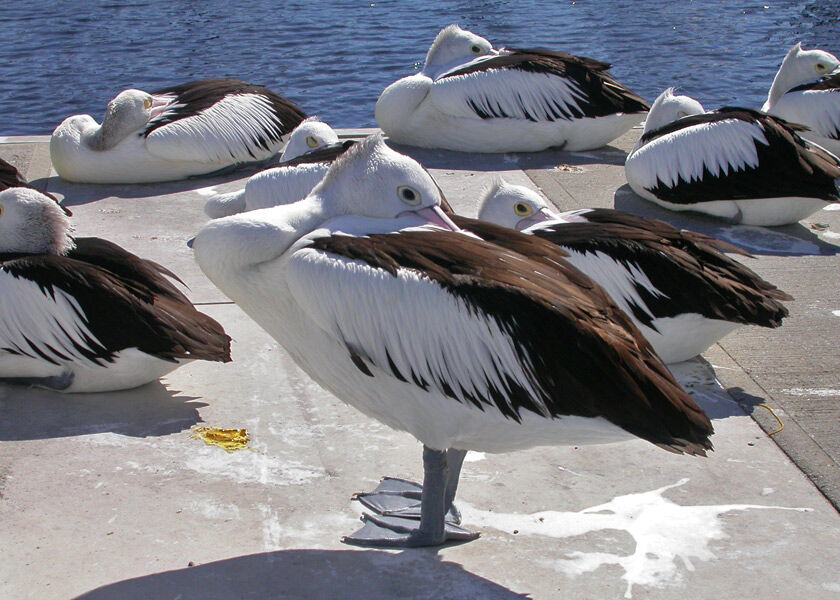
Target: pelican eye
pixel 408 195
pixel 312 141
pixel 147 103
pixel 681 114
pixel 522 209
pixel 475 49
pixel 821 67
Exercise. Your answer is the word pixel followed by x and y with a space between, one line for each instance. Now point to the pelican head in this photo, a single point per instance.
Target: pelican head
pixel 454 47
pixel 310 136
pixel 513 206
pixel 372 180
pixel 668 108
pixel 800 67
pixel 33 223
pixel 130 111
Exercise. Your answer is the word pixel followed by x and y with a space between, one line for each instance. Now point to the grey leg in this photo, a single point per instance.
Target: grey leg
pixel 433 529
pixel 400 498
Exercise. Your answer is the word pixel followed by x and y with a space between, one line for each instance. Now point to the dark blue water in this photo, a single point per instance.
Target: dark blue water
pixel 59 58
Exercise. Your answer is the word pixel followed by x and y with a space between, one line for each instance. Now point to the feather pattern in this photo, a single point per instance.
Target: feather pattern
pixel 501 304
pixel 219 120
pixel 816 105
pixel 537 85
pixel 67 309
pixel 731 154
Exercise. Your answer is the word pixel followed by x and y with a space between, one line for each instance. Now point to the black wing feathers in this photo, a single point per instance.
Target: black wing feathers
pixel 198 96
pixel 603 95
pixel 584 354
pixel 689 268
pixel 122 311
pixel 787 165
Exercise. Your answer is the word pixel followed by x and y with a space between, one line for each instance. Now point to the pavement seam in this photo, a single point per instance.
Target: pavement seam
pixel 802 449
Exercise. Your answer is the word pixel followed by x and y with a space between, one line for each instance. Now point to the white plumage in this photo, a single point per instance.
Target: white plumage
pixel 348 281
pixel 283 184
pixel 734 163
pixel 721 148
pixel 681 316
pixel 192 129
pixel 471 97
pixel 83 315
pixel 806 90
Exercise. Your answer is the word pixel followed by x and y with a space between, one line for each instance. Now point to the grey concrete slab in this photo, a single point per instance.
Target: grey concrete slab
pixel 106 496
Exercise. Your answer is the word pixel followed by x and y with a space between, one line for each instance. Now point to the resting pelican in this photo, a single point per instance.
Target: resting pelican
pixel 734 163
pixel 84 315
pixel 191 129
pixel 473 98
pixel 806 90
pixel 465 344
pixel 681 290
pixel 312 146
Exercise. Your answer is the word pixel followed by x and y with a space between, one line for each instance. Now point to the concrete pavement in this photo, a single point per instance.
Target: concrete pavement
pixel 107 496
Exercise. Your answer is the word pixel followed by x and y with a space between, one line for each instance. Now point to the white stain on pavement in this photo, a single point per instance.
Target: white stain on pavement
pixel 663 532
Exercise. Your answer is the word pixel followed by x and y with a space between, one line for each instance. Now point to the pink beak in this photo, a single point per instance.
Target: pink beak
pixel 432 215
pixel 159 104
pixel 540 216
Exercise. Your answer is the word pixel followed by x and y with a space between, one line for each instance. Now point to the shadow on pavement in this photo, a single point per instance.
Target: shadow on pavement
pixel 313 575
pixel 789 240
pixel 149 410
pixel 511 161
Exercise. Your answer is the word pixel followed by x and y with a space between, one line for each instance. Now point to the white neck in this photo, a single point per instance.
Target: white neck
pixel 783 81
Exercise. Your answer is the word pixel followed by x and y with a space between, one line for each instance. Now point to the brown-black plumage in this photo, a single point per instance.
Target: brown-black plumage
pixel 602 94
pixel 195 97
pixel 787 166
pixel 585 355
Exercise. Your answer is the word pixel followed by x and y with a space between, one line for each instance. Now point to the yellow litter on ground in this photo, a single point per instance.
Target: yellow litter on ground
pixel 229 439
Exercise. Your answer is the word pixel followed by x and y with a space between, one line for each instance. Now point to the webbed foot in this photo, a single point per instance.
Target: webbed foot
pixel 400 498
pixel 397 532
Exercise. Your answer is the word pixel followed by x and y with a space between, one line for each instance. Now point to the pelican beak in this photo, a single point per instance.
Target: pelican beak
pixel 322 154
pixel 836 71
pixel 540 216
pixel 159 104
pixel 433 216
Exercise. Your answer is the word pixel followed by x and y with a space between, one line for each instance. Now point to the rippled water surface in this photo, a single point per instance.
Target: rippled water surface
pixel 334 58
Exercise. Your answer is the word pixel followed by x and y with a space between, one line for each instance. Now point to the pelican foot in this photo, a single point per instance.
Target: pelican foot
pixel 395 497
pixel 397 532
pixel 57 382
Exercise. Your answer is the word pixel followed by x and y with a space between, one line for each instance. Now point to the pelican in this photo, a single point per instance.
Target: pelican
pixel 681 290
pixel 734 163
pixel 474 98
pixel 806 90
pixel 312 146
pixel 191 129
pixel 10 177
pixel 466 345
pixel 84 315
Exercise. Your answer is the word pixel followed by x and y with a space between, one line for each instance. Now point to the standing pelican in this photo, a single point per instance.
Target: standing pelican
pixel 312 146
pixel 466 345
pixel 473 98
pixel 734 163
pixel 190 129
pixel 682 292
pixel 806 90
